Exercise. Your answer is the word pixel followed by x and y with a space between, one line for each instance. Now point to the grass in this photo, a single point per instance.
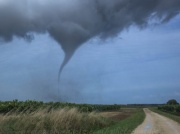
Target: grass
pixel 168 115
pixel 71 121
pixel 63 121
pixel 125 126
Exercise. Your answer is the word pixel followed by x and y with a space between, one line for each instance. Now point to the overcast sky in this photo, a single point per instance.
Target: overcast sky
pixel 138 65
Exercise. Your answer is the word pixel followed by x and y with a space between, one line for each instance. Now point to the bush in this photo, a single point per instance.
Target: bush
pixel 178 109
pixel 172 102
pixel 174 109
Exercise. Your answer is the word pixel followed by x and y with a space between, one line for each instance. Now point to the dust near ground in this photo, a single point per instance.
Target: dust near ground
pixel 157 124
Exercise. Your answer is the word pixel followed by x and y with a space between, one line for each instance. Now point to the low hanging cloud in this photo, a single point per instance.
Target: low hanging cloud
pixel 72 22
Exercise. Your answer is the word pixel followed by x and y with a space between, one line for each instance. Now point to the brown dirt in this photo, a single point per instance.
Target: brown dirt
pixel 157 124
pixel 115 115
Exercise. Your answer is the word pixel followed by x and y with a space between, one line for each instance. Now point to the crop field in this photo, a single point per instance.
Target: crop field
pixel 28 117
pixel 31 106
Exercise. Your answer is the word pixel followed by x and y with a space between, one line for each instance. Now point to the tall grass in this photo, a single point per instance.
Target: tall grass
pixel 61 121
pixel 68 121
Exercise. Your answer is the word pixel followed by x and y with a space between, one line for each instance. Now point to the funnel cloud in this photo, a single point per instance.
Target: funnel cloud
pixel 73 22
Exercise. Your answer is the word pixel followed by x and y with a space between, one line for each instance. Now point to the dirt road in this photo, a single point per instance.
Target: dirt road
pixel 157 124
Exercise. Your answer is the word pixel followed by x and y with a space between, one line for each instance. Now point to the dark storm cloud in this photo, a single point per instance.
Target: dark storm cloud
pixel 73 22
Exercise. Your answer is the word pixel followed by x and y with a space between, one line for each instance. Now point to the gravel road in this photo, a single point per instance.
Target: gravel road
pixel 157 124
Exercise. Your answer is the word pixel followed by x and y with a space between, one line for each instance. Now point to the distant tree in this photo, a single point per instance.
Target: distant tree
pixel 172 102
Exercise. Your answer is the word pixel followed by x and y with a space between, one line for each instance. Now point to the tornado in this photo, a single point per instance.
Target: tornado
pixel 73 22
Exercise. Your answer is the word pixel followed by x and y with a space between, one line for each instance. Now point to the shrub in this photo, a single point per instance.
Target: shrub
pixel 172 102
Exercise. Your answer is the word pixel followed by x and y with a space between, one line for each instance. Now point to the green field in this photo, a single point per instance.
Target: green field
pixel 125 126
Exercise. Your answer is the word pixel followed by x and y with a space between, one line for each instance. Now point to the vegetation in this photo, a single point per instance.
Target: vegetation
pixel 172 102
pixel 63 121
pixel 171 110
pixel 31 106
pixel 172 107
pixel 169 115
pixel 125 126
pixel 28 117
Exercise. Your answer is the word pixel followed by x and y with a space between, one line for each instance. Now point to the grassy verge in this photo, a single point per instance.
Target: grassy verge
pixel 125 126
pixel 171 116
pixel 63 121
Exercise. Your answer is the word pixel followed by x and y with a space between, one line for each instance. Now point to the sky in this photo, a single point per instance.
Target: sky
pixel 138 64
